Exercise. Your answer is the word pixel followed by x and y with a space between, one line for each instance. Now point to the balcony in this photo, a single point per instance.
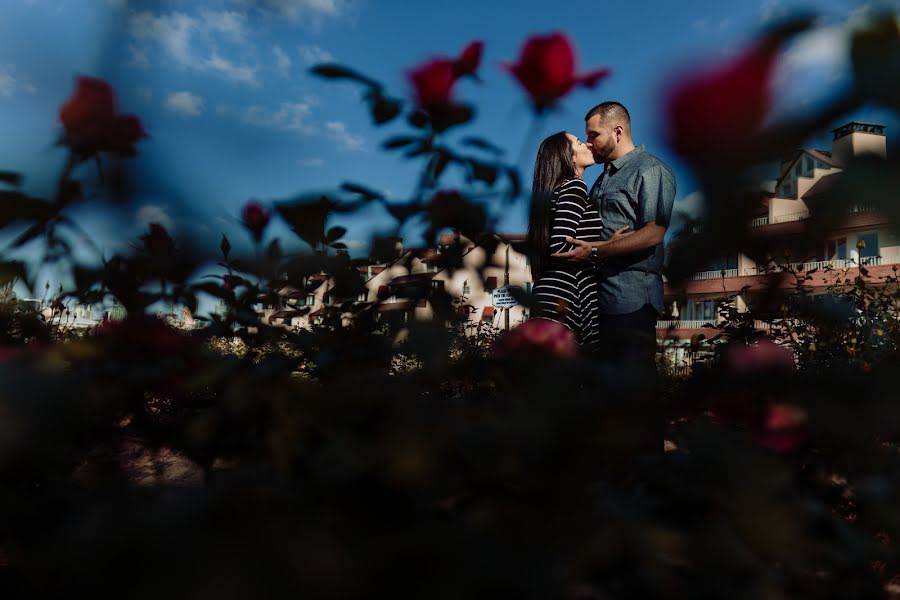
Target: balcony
pixel 721 273
pixel 788 218
pixel 682 324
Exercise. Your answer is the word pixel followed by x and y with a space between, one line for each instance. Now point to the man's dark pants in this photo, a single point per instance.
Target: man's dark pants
pixel 628 348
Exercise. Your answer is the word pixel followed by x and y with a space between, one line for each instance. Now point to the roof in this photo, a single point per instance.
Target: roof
pixel 822 186
pixel 787 166
pixel 412 279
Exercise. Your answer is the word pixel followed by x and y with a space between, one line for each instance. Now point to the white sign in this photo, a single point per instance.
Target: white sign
pixel 503 298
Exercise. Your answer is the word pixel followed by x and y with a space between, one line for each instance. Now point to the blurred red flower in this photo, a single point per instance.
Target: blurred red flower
pixel 539 335
pixel 468 60
pixel 229 282
pixel 764 355
pixel 91 123
pixel 433 80
pixel 715 113
pixel 546 69
pixel 433 83
pixel 255 217
pixel 784 428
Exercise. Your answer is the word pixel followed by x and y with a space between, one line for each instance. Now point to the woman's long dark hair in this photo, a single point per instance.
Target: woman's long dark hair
pixel 552 166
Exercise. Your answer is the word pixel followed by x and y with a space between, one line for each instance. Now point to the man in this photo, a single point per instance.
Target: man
pixel 635 191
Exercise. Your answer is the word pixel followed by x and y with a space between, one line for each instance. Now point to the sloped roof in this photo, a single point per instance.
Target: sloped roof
pixel 822 186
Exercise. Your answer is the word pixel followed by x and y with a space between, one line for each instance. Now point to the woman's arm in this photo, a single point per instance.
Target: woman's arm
pixel 570 207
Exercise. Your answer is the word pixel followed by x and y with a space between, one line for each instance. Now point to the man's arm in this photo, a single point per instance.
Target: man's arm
pixel 656 194
pixel 647 236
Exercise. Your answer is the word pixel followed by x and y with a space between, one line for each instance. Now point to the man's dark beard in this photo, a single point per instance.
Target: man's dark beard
pixel 602 154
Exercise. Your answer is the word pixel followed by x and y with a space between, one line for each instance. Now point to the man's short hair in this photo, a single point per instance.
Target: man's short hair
pixel 611 111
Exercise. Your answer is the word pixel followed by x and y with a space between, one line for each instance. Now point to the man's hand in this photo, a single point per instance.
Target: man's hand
pixel 582 249
pixel 581 252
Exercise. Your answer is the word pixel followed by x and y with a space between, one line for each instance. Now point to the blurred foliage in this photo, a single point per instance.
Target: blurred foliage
pixel 358 458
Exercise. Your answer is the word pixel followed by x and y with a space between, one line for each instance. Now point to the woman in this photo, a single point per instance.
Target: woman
pixel 560 208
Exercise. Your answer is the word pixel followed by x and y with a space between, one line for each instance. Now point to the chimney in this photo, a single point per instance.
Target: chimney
pixel 855 139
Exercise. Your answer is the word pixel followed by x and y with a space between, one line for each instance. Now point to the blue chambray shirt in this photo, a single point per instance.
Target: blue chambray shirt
pixel 633 190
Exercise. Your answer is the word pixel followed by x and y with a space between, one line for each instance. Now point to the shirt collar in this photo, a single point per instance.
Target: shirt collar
pixel 617 164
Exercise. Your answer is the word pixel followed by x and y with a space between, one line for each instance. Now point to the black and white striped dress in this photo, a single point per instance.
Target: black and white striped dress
pixel 567 291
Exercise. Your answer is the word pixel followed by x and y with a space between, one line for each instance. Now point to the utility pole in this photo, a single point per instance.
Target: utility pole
pixel 506 285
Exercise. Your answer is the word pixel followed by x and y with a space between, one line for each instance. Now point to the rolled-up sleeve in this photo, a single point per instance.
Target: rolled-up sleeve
pixel 656 196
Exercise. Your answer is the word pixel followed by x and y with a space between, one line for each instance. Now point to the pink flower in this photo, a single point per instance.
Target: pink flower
pixel 546 69
pixel 91 123
pixel 539 336
pixel 255 218
pixel 468 60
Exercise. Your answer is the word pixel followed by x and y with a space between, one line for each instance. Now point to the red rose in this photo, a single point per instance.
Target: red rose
pixel 539 335
pixel 468 60
pixel 714 114
pixel 256 218
pixel 546 69
pixel 784 428
pixel 229 282
pixel 91 124
pixel 433 83
pixel 764 355
pixel 124 133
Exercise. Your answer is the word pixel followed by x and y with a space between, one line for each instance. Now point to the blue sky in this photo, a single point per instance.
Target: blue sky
pixel 224 91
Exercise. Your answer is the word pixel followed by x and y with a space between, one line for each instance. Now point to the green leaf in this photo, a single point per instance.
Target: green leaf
pixel 399 142
pixel 11 271
pixel 384 109
pixel 11 178
pixel 306 219
pixel 335 233
pixel 481 144
pixel 483 172
pixel 362 190
pixel 225 247
pixel 335 71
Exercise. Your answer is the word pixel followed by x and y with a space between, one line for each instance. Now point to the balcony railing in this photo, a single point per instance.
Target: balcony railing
pixel 790 217
pixel 759 221
pixel 683 324
pixel 714 274
pixel 839 263
pixel 700 324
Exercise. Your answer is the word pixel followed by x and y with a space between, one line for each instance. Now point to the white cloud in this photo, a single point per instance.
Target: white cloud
pixel 172 32
pixel 231 71
pixel 346 140
pixel 152 213
pixel 282 61
pixel 295 10
pixel 289 116
pixel 185 104
pixel 175 33
pixel 312 55
pixel 230 23
pixel 311 162
pixel 10 85
pixel 686 209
